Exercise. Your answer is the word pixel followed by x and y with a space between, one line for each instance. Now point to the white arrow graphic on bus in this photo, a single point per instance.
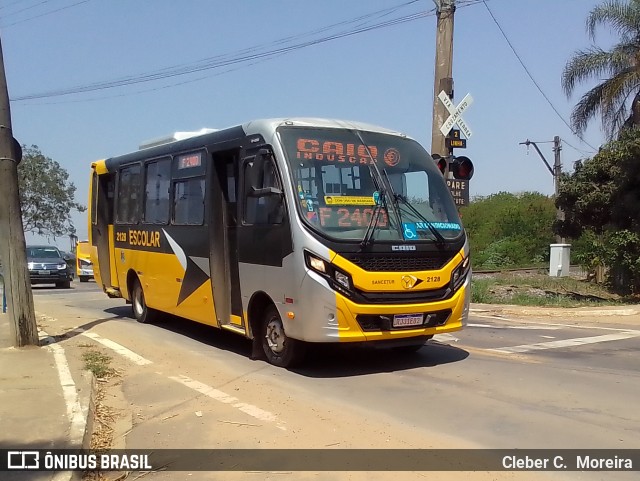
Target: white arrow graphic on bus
pixel 177 250
pixel 194 273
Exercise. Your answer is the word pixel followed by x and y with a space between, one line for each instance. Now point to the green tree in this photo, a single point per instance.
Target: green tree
pixel 509 230
pixel 616 97
pixel 601 201
pixel 46 195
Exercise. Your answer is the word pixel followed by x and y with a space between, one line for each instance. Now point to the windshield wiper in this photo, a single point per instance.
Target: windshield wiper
pixel 396 197
pixel 373 223
pixel 378 180
pixel 440 240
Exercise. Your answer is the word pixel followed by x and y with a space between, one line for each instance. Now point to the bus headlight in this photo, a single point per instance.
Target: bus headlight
pixel 316 264
pixel 460 273
pixel 337 279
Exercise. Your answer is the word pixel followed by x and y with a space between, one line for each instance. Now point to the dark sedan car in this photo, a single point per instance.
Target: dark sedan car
pixel 47 266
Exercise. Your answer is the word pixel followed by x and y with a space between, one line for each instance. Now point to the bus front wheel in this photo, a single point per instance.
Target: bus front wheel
pixel 280 350
pixel 141 312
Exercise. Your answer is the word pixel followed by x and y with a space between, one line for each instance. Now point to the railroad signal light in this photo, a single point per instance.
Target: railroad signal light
pixel 441 162
pixel 461 168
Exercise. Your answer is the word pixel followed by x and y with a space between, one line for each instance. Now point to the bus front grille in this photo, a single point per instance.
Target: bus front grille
pixel 399 263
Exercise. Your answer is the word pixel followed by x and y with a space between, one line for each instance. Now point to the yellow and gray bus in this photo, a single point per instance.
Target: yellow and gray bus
pixel 285 231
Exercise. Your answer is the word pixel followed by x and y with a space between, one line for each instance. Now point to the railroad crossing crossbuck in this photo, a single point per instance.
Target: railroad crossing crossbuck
pixel 456 114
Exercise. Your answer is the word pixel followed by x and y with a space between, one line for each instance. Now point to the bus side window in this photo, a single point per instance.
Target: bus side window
pixel 266 209
pixel 156 201
pixel 188 202
pixel 128 195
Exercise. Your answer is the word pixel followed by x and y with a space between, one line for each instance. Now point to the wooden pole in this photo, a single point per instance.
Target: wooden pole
pixel 22 319
pixel 443 73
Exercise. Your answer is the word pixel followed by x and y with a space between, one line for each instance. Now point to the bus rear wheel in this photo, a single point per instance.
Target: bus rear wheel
pixel 141 311
pixel 280 350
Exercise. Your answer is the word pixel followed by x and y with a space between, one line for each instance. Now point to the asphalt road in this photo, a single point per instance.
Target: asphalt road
pixel 499 383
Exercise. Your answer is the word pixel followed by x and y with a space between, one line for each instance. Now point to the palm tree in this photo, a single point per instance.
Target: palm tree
pixel 616 99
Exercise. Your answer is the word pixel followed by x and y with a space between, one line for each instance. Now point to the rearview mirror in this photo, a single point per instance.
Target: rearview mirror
pixel 258 166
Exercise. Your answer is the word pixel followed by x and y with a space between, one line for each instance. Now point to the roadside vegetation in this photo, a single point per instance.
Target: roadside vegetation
pixel 536 288
pixel 104 416
pixel 47 197
pixel 600 199
pixel 510 231
pixel 98 363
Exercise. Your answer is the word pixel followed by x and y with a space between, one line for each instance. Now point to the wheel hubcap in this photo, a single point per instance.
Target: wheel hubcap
pixel 138 302
pixel 275 336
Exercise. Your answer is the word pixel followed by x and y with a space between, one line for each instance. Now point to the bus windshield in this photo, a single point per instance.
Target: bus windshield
pixel 339 189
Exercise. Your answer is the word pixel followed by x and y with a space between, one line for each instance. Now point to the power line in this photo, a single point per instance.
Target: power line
pixel 583 152
pixel 10 4
pixel 243 56
pixel 154 89
pixel 25 9
pixel 531 77
pixel 45 13
pixel 246 57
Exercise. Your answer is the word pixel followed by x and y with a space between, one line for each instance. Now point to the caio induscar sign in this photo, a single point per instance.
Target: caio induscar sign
pixel 344 152
pixel 331 151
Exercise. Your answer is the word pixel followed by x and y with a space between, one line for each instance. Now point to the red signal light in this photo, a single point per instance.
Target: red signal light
pixel 441 162
pixel 462 168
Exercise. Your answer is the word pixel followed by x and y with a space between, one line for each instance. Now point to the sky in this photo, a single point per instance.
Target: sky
pixel 306 58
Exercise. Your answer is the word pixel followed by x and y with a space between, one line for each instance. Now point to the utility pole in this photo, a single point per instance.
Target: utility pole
pixel 443 78
pixel 24 330
pixel 557 166
pixel 556 172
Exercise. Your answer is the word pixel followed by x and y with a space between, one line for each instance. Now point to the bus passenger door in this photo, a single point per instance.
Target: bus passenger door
pixel 102 192
pixel 264 233
pixel 223 250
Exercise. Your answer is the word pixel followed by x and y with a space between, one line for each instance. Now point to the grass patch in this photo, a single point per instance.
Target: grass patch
pixel 539 289
pixel 480 291
pixel 98 363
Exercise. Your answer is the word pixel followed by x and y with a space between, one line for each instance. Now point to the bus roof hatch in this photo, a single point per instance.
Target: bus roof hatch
pixel 174 137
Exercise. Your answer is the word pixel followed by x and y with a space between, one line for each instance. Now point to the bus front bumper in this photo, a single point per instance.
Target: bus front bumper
pixel 332 317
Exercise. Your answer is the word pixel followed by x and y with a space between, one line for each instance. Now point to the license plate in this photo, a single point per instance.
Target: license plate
pixel 44 273
pixel 405 320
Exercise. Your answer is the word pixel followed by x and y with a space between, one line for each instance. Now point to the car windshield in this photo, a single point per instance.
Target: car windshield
pixel 43 253
pixel 339 188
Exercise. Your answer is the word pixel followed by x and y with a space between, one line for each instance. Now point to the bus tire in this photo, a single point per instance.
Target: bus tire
pixel 280 350
pixel 141 311
pixel 84 278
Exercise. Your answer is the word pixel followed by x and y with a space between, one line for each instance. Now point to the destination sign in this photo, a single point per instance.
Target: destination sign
pixel 348 217
pixel 189 160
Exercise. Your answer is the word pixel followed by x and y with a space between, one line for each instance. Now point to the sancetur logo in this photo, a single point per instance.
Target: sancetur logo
pixel 409 281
